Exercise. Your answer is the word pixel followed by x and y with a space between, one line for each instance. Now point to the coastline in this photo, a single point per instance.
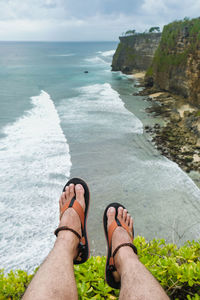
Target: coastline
pixel 179 138
pixel 139 76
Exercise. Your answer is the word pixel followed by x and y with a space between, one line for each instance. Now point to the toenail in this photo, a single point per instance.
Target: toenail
pixel 111 210
pixel 78 186
pixel 120 209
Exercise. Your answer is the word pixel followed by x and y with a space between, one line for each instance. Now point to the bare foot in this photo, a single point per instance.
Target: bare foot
pixel 70 217
pixel 121 236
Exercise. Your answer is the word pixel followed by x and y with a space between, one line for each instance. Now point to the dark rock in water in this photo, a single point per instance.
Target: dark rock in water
pixel 86 72
pixel 157 126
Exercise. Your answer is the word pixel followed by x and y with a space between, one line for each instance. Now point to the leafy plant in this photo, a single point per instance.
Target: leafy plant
pixel 154 29
pixel 177 270
pixel 130 32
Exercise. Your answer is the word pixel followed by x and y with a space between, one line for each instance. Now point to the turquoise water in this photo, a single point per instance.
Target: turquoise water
pixel 58 122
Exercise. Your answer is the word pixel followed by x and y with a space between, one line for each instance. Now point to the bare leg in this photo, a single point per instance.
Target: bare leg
pixel 55 278
pixel 136 281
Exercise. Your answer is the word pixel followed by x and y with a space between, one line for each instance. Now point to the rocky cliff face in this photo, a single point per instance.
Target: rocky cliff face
pixel 135 52
pixel 176 64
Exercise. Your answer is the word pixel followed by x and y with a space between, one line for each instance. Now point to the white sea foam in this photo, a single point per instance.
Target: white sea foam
pixel 96 60
pixel 100 106
pixel 60 55
pixel 35 163
pixel 122 75
pixel 106 53
pixel 102 58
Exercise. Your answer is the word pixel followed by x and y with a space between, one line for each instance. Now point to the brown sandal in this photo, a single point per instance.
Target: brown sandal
pixel 110 266
pixel 83 248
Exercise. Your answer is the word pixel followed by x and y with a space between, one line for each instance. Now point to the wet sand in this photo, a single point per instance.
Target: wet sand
pixel 127 169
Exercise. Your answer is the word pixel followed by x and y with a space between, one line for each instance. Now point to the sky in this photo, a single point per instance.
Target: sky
pixel 87 20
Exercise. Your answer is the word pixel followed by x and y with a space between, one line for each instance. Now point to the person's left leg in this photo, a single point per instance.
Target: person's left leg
pixel 136 281
pixel 55 278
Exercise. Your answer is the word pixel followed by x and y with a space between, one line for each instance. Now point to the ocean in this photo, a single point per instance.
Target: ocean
pixel 58 122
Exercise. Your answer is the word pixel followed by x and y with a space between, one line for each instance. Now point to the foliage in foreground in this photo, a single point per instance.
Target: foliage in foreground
pixel 177 269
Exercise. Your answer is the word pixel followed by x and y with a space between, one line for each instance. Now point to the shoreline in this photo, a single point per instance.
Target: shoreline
pixel 179 138
pixel 139 75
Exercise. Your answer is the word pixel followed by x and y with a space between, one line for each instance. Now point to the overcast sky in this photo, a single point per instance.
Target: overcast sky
pixel 87 20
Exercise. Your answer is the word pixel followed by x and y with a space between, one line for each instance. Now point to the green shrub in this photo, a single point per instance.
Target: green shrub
pixel 149 71
pixel 177 269
pixel 13 284
pixel 168 54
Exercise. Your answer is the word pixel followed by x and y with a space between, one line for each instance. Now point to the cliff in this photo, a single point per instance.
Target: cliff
pixel 176 63
pixel 135 52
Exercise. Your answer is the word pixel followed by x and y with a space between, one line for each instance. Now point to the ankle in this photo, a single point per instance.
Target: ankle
pixel 68 241
pixel 124 259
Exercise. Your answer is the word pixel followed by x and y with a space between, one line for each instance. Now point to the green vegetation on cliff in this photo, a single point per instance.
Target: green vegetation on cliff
pixel 154 29
pixel 179 39
pixel 177 269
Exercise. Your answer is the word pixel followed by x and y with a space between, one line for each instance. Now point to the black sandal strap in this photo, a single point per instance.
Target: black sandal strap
pixel 124 245
pixel 66 228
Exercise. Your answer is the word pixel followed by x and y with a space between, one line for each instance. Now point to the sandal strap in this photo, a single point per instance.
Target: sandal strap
pixel 113 226
pixel 124 245
pixel 111 264
pixel 111 229
pixel 77 207
pixel 67 228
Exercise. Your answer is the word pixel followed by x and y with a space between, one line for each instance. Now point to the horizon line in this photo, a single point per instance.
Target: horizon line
pixel 61 41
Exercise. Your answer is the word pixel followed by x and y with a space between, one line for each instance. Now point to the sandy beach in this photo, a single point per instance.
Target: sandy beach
pixel 139 75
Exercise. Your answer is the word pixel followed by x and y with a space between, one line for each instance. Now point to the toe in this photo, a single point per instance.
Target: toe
pixel 63 199
pixel 111 215
pixel 79 191
pixel 67 192
pixel 71 191
pixel 120 213
pixel 131 223
pixel 80 194
pixel 128 219
pixel 124 215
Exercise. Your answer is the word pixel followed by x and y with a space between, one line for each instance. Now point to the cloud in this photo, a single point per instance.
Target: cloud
pixel 93 28
pixel 36 9
pixel 31 9
pixel 166 11
pixel 88 19
pixel 154 7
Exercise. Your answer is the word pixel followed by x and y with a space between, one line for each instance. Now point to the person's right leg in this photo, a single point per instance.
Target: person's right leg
pixel 136 281
pixel 55 278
